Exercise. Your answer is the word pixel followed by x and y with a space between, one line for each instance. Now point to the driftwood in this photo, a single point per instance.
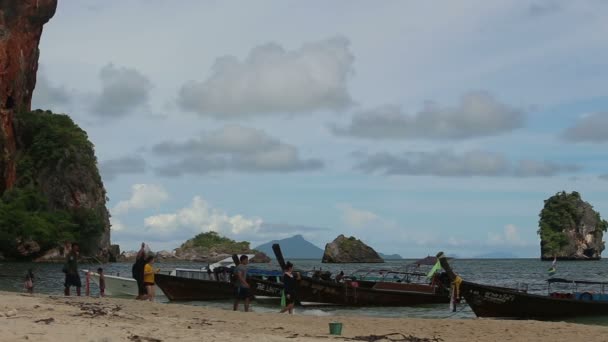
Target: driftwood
pixel 137 338
pixel 45 321
pixel 398 337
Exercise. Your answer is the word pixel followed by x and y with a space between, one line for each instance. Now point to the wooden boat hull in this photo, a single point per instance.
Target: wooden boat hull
pixel 185 289
pixel 492 301
pixel 368 293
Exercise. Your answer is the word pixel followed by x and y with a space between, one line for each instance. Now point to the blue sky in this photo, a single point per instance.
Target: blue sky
pixel 415 126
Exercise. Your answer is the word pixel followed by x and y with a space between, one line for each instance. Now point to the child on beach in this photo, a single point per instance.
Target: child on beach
pixel 102 283
pixel 29 281
pixel 149 272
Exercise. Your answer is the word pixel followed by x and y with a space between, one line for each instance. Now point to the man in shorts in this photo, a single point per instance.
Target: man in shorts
pixel 71 270
pixel 242 290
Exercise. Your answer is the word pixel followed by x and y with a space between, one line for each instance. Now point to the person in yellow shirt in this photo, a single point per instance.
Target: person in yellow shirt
pixel 149 272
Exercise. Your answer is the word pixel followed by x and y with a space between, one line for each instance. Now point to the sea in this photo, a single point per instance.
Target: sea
pixel 517 273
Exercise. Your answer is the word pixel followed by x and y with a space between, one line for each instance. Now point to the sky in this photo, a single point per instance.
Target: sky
pixel 415 126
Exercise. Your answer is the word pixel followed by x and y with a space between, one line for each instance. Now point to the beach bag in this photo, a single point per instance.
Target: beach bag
pixel 283 299
pixel 29 284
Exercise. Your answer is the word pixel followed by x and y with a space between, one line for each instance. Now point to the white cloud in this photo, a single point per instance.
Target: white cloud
pixel 357 218
pixel 112 168
pixel 510 236
pixel 201 217
pixel 477 114
pixel 117 225
pixel 273 80
pixel 233 147
pixel 47 96
pixel 446 163
pixel 124 89
pixel 142 196
pixel 589 128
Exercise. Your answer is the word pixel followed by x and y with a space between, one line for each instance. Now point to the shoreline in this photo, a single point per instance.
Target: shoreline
pixel 59 318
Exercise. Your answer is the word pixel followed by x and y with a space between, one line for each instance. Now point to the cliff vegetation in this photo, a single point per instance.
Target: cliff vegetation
pixel 569 228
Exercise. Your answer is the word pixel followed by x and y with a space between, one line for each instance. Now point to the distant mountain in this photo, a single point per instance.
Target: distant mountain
pixel 496 255
pixel 390 256
pixel 295 247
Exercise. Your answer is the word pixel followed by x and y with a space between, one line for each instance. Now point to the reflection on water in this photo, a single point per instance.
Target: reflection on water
pixel 502 272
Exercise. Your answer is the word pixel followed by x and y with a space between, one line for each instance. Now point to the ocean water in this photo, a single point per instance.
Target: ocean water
pixel 517 273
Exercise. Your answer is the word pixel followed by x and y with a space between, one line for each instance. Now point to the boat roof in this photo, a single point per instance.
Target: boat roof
pixel 562 280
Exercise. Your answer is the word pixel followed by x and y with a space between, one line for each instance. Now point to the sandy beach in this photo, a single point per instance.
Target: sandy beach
pixel 56 318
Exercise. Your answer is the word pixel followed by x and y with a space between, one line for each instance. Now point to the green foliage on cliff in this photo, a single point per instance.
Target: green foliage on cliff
pixel 560 212
pixel 51 143
pixel 26 215
pixel 53 154
pixel 213 241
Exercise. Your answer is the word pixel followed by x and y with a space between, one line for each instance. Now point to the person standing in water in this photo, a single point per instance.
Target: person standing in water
pixel 102 282
pixel 71 270
pixel 138 272
pixel 289 290
pixel 29 281
pixel 243 292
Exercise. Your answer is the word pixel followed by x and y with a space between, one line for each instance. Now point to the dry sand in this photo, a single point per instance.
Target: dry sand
pixel 56 318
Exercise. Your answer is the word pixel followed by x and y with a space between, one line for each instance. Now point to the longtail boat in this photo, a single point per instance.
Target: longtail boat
pixel 504 302
pixel 192 284
pixel 215 282
pixel 393 290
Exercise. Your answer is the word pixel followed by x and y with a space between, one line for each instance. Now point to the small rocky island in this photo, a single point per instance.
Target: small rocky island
pixel 206 247
pixel 570 229
pixel 349 250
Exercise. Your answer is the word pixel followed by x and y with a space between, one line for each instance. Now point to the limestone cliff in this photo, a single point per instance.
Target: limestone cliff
pixel 20 30
pixel 349 250
pixel 51 189
pixel 570 229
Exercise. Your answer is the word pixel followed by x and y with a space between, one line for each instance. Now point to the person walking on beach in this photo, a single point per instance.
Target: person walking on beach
pixel 148 278
pixel 241 286
pixel 29 281
pixel 138 271
pixel 289 288
pixel 71 270
pixel 102 282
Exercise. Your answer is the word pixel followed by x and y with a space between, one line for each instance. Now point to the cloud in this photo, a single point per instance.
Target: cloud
pixel 142 196
pixel 112 168
pixel 510 236
pixel 478 114
pixel 603 177
pixel 445 163
pixel 286 228
pixel 591 128
pixel 200 217
pixel 117 225
pixel 46 95
pixel 272 80
pixel 357 218
pixel 232 147
pixel 123 90
pixel 533 168
pixel 539 9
